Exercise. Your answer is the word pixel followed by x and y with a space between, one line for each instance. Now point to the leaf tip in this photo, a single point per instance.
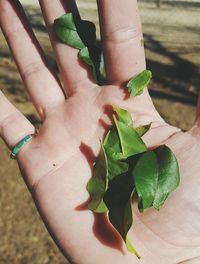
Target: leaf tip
pixel 131 249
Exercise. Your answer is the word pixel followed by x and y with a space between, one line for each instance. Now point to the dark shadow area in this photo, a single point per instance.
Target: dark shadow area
pixel 88 153
pixel 69 5
pixel 4 53
pixel 34 120
pixel 105 233
pixel 192 100
pixel 102 228
pixel 172 81
pixel 35 18
pixel 10 85
pixel 83 206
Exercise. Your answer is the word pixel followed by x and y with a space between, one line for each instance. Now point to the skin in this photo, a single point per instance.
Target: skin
pixel 57 163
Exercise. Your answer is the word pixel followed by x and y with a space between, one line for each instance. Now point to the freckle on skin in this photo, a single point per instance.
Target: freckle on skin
pixel 54 165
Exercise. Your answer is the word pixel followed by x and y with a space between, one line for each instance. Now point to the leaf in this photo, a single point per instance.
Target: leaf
pixel 145 175
pixel 115 167
pixel 131 249
pixel 137 84
pixel 102 208
pixel 79 34
pixel 112 140
pixel 85 56
pixel 130 141
pixel 112 147
pixel 66 32
pixel 156 175
pixel 118 201
pixel 123 115
pixel 86 30
pixel 98 183
pixel 142 130
pixel 169 178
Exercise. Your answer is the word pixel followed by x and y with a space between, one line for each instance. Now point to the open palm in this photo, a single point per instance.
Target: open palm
pixel 57 163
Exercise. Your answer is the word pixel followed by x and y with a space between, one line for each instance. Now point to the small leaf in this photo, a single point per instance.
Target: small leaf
pixel 98 183
pixel 169 177
pixel 118 200
pixel 79 34
pixel 131 249
pixel 130 141
pixel 142 130
pixel 145 175
pixel 66 32
pixel 137 84
pixel 123 115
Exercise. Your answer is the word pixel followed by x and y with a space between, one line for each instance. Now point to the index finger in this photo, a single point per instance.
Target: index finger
pixel 121 33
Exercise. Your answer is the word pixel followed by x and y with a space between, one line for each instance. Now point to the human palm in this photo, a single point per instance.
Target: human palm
pixel 57 163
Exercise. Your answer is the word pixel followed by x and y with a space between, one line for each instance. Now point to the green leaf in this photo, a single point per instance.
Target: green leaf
pixel 66 22
pixel 85 56
pixel 79 34
pixel 137 84
pixel 145 175
pixel 98 183
pixel 112 148
pixel 118 201
pixel 115 167
pixel 102 208
pixel 169 178
pixel 123 115
pixel 112 140
pixel 131 249
pixel 156 175
pixel 66 32
pixel 142 130
pixel 130 141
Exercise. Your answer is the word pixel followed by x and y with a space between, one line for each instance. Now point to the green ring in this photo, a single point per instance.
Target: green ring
pixel 17 147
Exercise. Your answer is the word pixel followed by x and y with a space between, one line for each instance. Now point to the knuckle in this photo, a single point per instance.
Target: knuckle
pixel 31 69
pixel 123 34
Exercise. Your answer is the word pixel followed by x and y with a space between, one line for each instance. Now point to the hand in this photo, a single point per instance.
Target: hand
pixel 57 163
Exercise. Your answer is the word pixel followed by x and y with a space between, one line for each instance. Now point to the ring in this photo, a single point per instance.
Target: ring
pixel 17 147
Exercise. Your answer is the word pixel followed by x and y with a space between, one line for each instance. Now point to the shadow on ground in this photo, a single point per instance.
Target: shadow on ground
pixel 178 81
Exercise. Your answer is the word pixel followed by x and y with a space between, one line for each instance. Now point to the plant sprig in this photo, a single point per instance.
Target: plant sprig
pixel 129 167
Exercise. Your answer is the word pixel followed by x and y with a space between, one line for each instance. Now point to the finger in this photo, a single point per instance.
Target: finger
pixel 13 125
pixel 39 81
pixel 74 72
pixel 122 37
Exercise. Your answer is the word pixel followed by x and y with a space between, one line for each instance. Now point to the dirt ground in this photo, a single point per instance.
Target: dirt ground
pixel 173 54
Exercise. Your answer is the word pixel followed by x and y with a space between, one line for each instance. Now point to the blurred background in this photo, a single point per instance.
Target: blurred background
pixel 172 44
